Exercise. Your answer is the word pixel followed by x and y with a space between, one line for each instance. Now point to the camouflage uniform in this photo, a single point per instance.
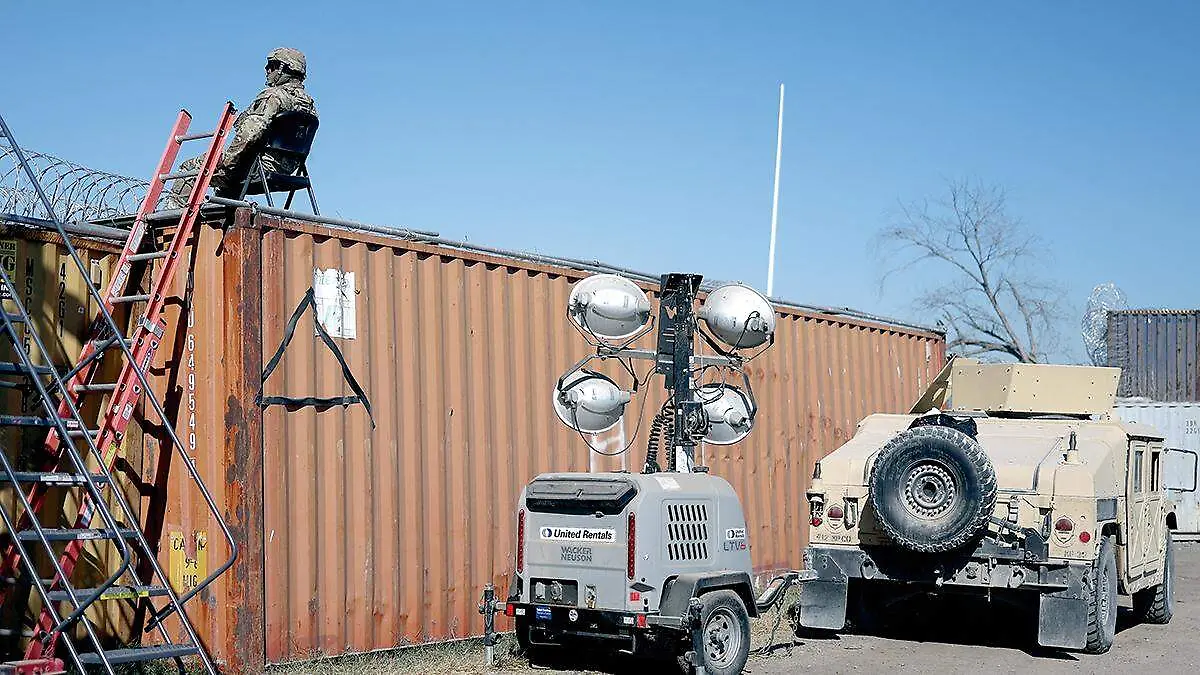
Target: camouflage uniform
pixel 285 93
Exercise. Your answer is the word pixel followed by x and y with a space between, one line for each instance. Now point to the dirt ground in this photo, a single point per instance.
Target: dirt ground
pixel 991 641
pixel 978 638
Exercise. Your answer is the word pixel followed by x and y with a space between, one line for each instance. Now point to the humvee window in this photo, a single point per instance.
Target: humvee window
pixel 1137 471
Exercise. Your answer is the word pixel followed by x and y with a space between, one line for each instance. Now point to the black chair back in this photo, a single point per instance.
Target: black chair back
pixel 292 133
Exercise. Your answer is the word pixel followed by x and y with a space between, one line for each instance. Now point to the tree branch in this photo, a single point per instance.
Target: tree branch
pixel 992 305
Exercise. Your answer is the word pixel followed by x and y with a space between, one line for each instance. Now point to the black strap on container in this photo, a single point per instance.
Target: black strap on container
pixel 312 401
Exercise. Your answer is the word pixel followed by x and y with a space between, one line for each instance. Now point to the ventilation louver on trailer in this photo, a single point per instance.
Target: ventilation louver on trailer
pixel 687 531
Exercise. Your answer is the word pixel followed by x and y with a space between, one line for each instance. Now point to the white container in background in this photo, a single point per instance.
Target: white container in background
pixel 1180 423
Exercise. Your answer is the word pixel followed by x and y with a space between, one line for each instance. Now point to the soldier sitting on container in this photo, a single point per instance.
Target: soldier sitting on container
pixel 286 69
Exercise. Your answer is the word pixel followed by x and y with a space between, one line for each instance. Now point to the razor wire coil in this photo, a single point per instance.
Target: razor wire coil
pixel 76 192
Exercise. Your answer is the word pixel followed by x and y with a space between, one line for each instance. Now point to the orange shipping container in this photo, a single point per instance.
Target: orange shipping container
pixel 357 536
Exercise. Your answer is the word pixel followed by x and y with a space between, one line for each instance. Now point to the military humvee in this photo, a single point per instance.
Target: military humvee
pixel 1008 479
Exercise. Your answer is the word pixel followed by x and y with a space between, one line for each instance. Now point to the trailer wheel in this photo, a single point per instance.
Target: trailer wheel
pixel 1157 603
pixel 932 489
pixel 724 633
pixel 1102 602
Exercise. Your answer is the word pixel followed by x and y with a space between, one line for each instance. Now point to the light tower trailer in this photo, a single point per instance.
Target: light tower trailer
pixel 656 563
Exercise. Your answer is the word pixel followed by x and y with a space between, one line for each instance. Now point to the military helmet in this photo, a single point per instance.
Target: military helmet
pixel 291 59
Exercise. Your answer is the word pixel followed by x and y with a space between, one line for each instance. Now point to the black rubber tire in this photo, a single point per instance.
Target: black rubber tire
pixel 1157 603
pixel 1102 602
pixel 932 489
pixel 723 612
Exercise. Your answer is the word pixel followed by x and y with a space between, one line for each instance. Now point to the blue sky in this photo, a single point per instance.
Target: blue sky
pixel 643 134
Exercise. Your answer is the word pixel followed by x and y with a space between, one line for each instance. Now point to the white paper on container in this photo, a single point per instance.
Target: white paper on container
pixel 334 293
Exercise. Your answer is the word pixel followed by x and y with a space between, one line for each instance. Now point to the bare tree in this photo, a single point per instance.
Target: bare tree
pixel 991 302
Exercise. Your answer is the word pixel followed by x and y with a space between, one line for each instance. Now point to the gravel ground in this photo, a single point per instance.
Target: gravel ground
pixel 964 639
pixel 997 642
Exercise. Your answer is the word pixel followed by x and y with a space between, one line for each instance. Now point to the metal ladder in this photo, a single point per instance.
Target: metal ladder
pixel 71 441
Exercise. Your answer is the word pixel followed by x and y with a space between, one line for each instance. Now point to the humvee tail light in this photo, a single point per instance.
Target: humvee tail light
pixel 816 505
pixel 1064 524
pixel 641 620
pixel 521 540
pixel 631 544
pixel 1085 536
pixel 510 610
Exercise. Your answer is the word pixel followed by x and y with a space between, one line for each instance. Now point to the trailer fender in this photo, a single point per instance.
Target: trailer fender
pixel 678 591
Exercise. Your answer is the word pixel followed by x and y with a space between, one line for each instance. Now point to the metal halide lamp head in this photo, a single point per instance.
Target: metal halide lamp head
pixel 589 402
pixel 729 412
pixel 739 316
pixel 609 306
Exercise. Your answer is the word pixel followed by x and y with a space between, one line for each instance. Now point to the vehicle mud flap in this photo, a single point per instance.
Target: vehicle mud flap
pixel 1062 621
pixel 823 600
pixel 823 605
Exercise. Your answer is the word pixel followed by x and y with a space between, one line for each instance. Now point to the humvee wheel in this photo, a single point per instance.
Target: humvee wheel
pixel 932 489
pixel 1157 603
pixel 1102 602
pixel 724 633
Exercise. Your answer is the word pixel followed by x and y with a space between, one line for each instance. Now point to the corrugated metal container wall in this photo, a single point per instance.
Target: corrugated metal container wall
pixel 382 536
pixel 1158 352
pixel 52 289
pixel 363 538
pixel 1180 423
pixel 191 374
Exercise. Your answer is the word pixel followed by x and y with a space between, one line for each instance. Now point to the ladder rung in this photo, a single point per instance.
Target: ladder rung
pixel 75 534
pixel 154 255
pixel 130 298
pixel 140 654
pixel 53 478
pixel 179 174
pixel 113 593
pixel 25 421
pixel 80 433
pixel 100 347
pixel 194 137
pixel 88 388
pixel 12 368
pixel 16 318
pixel 109 342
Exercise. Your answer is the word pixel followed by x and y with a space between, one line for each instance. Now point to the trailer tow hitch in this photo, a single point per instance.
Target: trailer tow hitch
pixel 778 587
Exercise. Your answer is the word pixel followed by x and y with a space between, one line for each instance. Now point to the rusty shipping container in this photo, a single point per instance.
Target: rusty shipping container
pixel 1158 351
pixel 360 534
pixel 52 288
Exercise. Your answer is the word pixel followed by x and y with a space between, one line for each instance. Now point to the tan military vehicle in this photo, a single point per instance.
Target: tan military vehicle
pixel 1005 479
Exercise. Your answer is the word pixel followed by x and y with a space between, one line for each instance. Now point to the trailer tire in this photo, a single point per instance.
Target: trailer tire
pixel 724 633
pixel 1102 601
pixel 1157 603
pixel 932 489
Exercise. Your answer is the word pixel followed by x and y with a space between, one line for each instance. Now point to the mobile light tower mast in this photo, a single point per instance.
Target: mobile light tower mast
pixel 657 560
